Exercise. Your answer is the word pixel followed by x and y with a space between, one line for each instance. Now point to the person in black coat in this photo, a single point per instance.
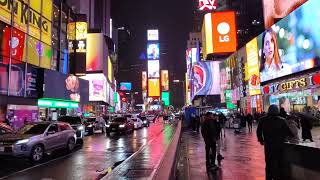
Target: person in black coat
pixel 306 121
pixel 210 131
pixel 249 121
pixel 272 132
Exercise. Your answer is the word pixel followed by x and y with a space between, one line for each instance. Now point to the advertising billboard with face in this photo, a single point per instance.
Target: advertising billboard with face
pixel 154 87
pixel 165 80
pixel 278 9
pixel 97 87
pixel 153 69
pixel 291 45
pixel 206 79
pixel 153 51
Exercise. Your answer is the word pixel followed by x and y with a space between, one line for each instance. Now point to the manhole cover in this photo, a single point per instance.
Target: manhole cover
pixel 139 173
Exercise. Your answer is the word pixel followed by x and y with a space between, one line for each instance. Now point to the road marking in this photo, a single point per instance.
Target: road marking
pixel 134 154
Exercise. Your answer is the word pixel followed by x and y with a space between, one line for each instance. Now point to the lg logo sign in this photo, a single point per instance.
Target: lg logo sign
pixel 223 29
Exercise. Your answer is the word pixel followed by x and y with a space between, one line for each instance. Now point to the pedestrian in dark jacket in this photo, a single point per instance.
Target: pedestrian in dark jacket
pixel 272 132
pixel 249 119
pixel 210 132
pixel 283 113
pixel 306 121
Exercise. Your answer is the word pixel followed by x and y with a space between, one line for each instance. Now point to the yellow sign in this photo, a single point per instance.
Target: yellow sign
pixel 23 15
pixel 253 67
pixel 77 31
pixel 295 84
pixel 109 70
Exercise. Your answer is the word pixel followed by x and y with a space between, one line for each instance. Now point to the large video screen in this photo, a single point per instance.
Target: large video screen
pixel 153 51
pixel 165 80
pixel 206 79
pixel 153 87
pixel 291 45
pixel 125 86
pixel 278 9
pixel 97 87
pixel 153 69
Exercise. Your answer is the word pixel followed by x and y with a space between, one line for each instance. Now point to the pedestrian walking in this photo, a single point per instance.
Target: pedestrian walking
pixel 306 120
pixel 243 121
pixel 210 133
pixel 249 119
pixel 272 132
pixel 222 121
pixel 294 127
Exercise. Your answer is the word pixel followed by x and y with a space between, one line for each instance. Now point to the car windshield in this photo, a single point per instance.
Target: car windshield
pixel 33 129
pixel 122 120
pixel 71 120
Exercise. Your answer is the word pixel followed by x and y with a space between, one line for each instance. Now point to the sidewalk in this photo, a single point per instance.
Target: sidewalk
pixel 244 157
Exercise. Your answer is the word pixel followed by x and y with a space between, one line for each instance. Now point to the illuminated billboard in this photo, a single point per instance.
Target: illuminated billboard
pixel 94 52
pixel 97 87
pixel 153 51
pixel 77 31
pixel 165 97
pixel 292 45
pixel 153 35
pixel 206 79
pixel 144 81
pixel 154 87
pixel 165 80
pixel 278 9
pixel 207 5
pixel 125 86
pixel 37 24
pixel 110 70
pixel 219 33
pixel 153 69
pixel 253 67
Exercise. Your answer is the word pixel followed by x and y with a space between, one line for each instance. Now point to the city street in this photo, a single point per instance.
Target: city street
pixel 91 161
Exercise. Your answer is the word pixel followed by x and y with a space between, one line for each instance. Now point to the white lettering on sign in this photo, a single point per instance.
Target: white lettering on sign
pixel 205 5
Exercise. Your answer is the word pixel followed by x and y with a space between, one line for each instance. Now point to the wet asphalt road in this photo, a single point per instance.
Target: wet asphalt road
pixel 90 161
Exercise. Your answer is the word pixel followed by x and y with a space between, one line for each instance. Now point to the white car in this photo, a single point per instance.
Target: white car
pixel 151 117
pixel 137 123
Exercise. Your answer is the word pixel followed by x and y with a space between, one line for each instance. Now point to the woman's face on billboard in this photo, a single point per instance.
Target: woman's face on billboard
pixel 268 46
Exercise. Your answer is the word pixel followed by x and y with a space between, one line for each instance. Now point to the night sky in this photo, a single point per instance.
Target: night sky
pixel 173 18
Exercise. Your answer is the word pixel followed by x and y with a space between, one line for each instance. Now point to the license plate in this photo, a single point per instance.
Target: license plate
pixel 1 149
pixel 113 128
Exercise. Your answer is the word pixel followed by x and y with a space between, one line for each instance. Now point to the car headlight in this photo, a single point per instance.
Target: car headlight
pixel 80 128
pixel 90 125
pixel 107 125
pixel 122 126
pixel 23 141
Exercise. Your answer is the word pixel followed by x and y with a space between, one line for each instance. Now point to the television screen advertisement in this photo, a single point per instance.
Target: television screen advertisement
pixel 206 79
pixel 274 10
pixel 292 45
pixel 253 67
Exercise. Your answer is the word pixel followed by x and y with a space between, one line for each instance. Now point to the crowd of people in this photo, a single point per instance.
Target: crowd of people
pixel 274 129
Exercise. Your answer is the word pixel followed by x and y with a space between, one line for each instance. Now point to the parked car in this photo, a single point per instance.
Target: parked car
pixel 77 124
pixel 5 129
pixel 92 125
pixel 151 117
pixel 137 122
pixel 36 139
pixel 144 120
pixel 119 125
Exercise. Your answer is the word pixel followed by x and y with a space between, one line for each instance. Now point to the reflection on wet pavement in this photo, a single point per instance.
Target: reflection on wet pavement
pixel 244 157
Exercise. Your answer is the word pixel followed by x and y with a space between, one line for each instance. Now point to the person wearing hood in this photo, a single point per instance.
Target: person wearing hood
pixel 272 132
